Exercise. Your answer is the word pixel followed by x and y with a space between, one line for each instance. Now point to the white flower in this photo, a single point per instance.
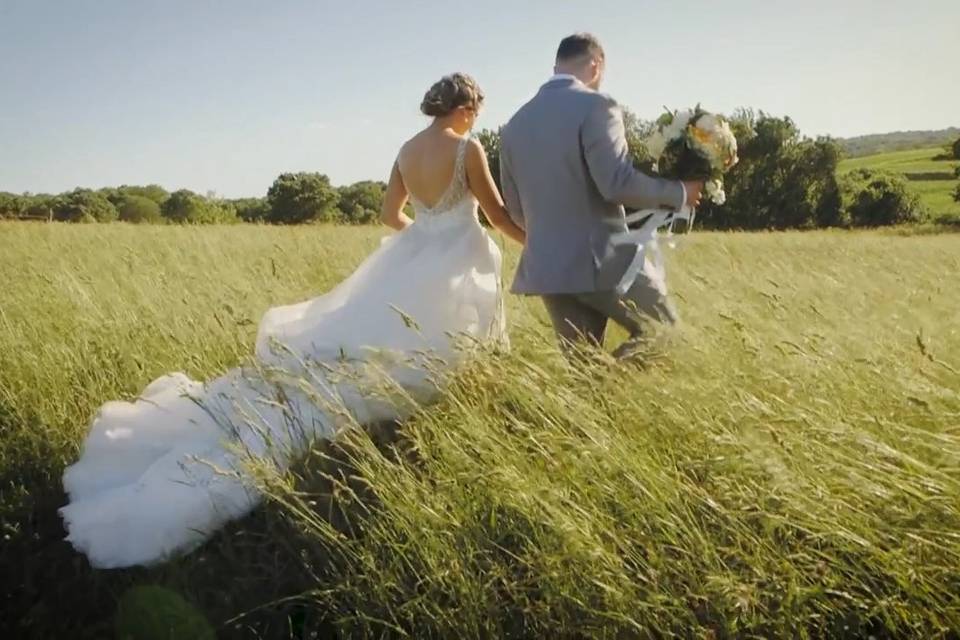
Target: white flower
pixel 715 192
pixel 676 129
pixel 656 143
pixel 683 118
pixel 728 137
pixel 708 122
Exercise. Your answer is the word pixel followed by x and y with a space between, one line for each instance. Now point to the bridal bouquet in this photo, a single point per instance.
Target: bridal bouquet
pixel 694 145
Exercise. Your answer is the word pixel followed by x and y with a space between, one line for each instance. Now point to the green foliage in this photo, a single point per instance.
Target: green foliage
pixel 110 193
pixel 183 206
pixel 783 181
pixel 956 192
pixel 157 613
pixel 84 205
pixel 140 209
pixel 151 191
pixel 876 198
pixel 39 206
pixel 251 209
pixel 360 203
pixel 956 149
pixel 11 205
pixel 490 140
pixel 302 197
pixel 186 207
pixel 637 130
pixel 221 212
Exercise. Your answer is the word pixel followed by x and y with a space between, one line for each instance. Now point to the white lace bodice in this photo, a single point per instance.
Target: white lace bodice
pixel 457 198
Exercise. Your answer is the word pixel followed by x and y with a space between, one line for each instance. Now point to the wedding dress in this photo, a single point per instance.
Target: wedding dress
pixel 157 476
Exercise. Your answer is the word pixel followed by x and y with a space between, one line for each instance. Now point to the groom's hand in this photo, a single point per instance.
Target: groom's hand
pixel 694 191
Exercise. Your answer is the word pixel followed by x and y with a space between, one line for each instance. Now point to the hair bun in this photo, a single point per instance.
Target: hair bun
pixel 450 93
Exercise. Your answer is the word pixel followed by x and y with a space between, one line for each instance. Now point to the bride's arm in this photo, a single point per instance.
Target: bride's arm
pixel 485 189
pixel 394 200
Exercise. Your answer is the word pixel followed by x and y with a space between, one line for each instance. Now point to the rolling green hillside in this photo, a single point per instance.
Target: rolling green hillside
pixel 933 180
pixel 876 143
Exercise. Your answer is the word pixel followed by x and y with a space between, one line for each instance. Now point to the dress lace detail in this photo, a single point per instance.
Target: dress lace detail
pixel 456 191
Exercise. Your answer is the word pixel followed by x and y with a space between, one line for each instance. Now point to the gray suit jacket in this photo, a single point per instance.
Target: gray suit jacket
pixel 566 176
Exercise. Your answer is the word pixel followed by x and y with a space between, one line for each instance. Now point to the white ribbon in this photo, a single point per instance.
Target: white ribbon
pixel 645 239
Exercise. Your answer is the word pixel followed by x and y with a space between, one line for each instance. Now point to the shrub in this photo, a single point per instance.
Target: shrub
pixel 84 205
pixel 134 208
pixel 151 191
pixel 11 205
pixel 302 197
pixel 360 202
pixel 251 209
pixel 187 207
pixel 876 198
pixel 490 141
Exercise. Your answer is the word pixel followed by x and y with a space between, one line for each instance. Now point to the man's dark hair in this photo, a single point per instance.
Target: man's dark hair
pixel 579 45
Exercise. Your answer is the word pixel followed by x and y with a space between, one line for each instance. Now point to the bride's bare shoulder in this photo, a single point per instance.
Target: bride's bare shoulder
pixel 413 144
pixel 429 142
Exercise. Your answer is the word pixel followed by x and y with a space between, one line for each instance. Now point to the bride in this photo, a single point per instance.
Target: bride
pixel 157 476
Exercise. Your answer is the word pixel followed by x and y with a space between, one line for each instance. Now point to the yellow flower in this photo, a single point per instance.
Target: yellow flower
pixel 701 136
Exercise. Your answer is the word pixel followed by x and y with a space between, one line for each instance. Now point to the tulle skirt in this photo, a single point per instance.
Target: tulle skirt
pixel 159 475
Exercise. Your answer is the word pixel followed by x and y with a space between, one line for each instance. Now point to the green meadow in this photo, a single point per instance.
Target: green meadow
pixel 788 466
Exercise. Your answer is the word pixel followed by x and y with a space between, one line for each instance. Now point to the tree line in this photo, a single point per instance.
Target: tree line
pixel 784 180
pixel 293 198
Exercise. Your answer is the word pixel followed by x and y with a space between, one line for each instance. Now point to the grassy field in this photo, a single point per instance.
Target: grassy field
pixel 936 195
pixel 790 467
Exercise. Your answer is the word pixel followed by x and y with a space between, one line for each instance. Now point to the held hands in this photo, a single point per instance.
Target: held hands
pixel 694 192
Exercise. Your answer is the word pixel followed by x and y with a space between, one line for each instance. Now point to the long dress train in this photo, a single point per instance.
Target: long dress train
pixel 157 476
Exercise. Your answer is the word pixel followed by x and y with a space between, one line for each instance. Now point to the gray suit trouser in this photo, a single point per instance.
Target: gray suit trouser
pixel 583 317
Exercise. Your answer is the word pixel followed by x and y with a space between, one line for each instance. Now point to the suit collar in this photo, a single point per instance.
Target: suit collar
pixel 561 80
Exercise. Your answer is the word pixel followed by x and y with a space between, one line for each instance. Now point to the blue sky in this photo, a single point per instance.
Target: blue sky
pixel 225 95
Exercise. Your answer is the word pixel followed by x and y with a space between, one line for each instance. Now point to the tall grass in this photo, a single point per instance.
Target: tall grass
pixel 790 467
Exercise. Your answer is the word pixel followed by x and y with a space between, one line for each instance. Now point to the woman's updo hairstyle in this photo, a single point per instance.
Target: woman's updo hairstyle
pixel 450 93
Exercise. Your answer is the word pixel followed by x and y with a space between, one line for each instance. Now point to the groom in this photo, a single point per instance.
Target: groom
pixel 566 176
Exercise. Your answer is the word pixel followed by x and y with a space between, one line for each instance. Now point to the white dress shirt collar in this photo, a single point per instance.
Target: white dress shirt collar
pixel 564 76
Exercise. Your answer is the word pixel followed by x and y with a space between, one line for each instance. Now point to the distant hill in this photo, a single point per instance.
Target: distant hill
pixel 897 141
